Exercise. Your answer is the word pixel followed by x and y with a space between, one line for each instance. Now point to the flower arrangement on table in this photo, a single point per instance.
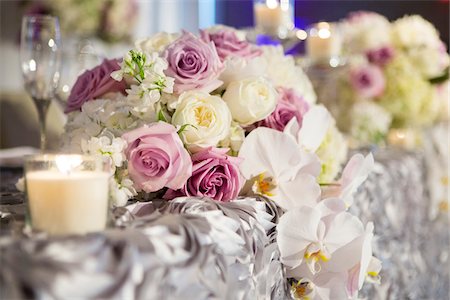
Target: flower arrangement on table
pixel 88 18
pixel 397 78
pixel 214 116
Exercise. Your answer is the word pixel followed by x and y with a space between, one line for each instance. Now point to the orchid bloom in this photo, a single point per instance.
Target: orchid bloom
pixel 280 170
pixel 315 125
pixel 355 173
pixel 311 235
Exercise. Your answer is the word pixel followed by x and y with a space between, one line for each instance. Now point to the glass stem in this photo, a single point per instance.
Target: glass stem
pixel 42 108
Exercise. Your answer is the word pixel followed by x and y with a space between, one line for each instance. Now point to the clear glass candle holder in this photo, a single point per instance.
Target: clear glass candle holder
pixel 67 193
pixel 323 43
pixel 274 17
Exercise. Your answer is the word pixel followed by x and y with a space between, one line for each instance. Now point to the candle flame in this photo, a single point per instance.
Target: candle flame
pixel 272 4
pixel 66 164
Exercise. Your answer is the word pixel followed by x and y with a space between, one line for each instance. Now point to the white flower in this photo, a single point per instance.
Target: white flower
pixel 156 43
pixel 206 119
pixel 279 169
pixel 354 174
pixel 250 100
pixel 122 191
pixel 430 61
pixel 364 31
pixel 369 122
pixel 315 125
pixel 111 147
pixel 332 154
pixel 235 139
pixel 311 235
pixel 415 31
pixel 282 71
pixel 240 68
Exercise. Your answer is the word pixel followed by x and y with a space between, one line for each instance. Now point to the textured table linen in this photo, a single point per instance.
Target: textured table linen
pixel 201 249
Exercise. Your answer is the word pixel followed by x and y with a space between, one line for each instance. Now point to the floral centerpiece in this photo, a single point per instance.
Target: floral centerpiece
pixel 214 116
pixel 397 78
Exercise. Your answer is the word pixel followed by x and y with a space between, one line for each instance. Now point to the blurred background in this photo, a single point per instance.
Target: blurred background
pixel 98 28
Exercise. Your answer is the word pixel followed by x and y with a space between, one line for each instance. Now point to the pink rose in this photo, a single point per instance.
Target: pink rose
pixel 380 56
pixel 368 81
pixel 290 105
pixel 193 63
pixel 214 174
pixel 156 157
pixel 94 84
pixel 228 44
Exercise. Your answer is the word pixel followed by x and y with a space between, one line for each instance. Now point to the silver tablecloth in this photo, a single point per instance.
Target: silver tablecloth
pixel 414 249
pixel 200 249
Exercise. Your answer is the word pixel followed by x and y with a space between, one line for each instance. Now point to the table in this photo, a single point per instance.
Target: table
pixel 201 249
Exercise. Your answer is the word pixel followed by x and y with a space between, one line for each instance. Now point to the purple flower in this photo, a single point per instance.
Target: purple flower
pixel 228 44
pixel 368 81
pixel 157 158
pixel 193 63
pixel 380 56
pixel 214 174
pixel 95 83
pixel 290 105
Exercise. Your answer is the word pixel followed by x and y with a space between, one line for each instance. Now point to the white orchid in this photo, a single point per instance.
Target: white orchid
pixel 311 235
pixel 279 169
pixel 315 125
pixel 355 173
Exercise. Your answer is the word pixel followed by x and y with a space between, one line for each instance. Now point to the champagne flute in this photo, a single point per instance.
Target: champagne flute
pixel 40 55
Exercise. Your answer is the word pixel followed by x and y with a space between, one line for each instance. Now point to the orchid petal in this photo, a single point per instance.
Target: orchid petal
pixel 343 229
pixel 316 123
pixel 355 173
pixel 268 150
pixel 297 228
pixel 303 190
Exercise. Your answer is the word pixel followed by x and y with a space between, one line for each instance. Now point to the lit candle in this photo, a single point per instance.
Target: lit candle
pixel 66 198
pixel 273 16
pixel 323 42
pixel 403 137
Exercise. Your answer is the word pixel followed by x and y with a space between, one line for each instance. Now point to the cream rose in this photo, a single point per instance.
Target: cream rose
pixel 207 117
pixel 250 100
pixel 156 43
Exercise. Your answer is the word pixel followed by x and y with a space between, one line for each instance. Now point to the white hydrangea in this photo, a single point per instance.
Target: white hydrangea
pixel 365 31
pixel 106 146
pixel 369 122
pixel 415 31
pixel 234 139
pixel 282 71
pixel 332 153
pixel 121 190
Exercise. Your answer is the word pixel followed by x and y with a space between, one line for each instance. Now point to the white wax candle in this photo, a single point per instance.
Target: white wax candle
pixel 270 19
pixel 73 203
pixel 323 43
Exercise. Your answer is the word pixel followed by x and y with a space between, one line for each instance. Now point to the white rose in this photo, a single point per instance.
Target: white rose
pixel 250 100
pixel 157 43
pixel 282 71
pixel 239 68
pixel 207 117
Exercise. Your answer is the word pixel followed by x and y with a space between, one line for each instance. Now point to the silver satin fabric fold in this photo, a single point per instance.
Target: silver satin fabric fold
pixel 186 249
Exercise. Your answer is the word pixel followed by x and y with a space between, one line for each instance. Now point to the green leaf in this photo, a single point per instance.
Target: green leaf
pixel 183 128
pixel 442 78
pixel 161 116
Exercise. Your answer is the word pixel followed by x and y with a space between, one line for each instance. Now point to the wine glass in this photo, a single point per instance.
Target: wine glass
pixel 40 55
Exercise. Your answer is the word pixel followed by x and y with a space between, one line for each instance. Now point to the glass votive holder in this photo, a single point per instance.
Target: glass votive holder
pixel 323 43
pixel 274 17
pixel 67 193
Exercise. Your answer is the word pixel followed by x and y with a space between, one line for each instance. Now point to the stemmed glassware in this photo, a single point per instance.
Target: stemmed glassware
pixel 40 55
